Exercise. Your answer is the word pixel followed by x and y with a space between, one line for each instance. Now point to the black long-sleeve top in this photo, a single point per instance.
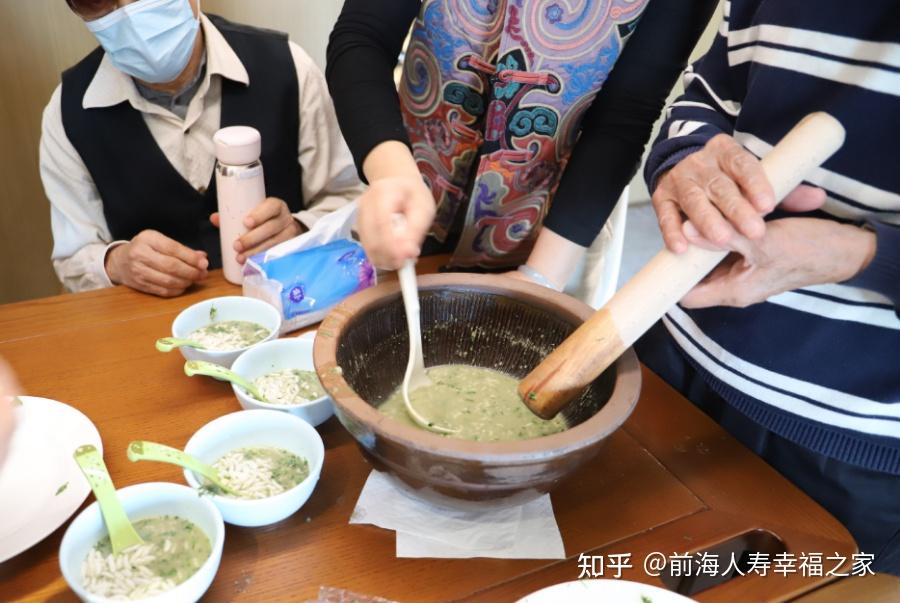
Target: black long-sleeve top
pixel 368 38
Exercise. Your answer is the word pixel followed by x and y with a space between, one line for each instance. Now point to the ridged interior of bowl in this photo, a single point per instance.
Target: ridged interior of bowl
pixel 459 326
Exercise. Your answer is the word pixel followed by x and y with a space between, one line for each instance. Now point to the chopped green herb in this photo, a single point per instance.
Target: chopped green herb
pixel 481 404
pixel 173 562
pixel 229 334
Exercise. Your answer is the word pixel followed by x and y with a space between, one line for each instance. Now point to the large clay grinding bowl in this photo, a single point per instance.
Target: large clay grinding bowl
pixel 466 319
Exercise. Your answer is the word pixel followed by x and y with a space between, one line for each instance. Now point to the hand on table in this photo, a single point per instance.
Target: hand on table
pixel 724 192
pixel 793 253
pixel 387 245
pixel 269 223
pixel 153 263
pixel 9 388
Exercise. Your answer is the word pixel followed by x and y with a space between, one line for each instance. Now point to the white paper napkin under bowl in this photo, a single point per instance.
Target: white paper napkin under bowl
pixel 451 529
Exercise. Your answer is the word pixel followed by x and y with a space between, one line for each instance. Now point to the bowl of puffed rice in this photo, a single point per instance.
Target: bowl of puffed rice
pixel 182 535
pixel 283 372
pixel 270 462
pixel 224 328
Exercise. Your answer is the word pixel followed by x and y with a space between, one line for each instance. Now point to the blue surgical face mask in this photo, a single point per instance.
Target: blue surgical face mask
pixel 151 40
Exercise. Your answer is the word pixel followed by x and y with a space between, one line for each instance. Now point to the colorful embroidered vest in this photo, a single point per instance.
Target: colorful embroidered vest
pixel 493 92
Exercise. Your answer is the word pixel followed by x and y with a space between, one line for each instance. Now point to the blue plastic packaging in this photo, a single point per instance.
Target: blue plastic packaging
pixel 306 284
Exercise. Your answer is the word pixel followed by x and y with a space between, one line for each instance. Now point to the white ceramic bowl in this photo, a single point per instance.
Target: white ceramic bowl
pixel 259 428
pixel 140 502
pixel 282 354
pixel 227 308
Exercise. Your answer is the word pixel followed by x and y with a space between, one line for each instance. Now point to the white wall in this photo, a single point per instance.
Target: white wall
pixel 307 21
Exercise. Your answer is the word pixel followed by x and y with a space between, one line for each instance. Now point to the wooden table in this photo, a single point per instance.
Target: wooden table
pixel 670 481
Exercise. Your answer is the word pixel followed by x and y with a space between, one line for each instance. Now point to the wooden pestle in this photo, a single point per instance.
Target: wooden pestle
pixel 668 277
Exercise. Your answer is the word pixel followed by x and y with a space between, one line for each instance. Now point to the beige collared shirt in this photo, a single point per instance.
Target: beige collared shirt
pixel 81 236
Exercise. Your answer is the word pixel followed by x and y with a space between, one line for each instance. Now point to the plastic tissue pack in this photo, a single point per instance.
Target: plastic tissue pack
pixel 308 275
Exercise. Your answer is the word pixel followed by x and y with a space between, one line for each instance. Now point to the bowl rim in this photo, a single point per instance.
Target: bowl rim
pixel 257 349
pixel 314 475
pixel 619 406
pixel 272 336
pixel 217 540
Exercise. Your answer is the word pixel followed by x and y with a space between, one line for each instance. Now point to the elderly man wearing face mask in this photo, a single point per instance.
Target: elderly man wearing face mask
pixel 127 157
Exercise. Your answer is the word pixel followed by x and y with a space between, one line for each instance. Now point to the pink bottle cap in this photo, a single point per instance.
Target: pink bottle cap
pixel 238 145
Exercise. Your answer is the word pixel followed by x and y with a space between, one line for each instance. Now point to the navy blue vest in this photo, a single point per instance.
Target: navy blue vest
pixel 141 189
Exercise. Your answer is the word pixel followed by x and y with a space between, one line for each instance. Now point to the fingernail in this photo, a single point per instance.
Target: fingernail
pixel 719 239
pixel 248 222
pixel 238 247
pixel 204 264
pixel 764 203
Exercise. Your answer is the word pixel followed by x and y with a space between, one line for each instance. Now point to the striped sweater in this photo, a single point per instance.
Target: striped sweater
pixel 819 366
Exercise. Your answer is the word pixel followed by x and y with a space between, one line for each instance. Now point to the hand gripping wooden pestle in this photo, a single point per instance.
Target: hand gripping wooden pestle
pixel 668 277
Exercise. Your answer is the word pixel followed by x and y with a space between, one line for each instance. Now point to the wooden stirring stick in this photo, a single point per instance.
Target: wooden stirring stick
pixel 668 277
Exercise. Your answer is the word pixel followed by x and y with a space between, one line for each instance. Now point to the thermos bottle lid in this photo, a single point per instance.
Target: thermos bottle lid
pixel 238 145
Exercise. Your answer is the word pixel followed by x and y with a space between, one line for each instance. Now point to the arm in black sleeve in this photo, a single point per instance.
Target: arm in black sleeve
pixel 362 54
pixel 618 125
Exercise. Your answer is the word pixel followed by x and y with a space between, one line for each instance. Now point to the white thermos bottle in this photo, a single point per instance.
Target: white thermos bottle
pixel 240 187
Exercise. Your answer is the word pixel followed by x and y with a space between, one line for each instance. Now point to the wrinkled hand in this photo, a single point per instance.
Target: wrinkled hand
pixel 386 245
pixel 724 192
pixel 9 388
pixel 793 253
pixel 153 263
pixel 269 223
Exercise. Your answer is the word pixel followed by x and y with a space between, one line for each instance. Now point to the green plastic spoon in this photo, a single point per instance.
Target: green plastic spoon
pixel 122 534
pixel 208 369
pixel 151 451
pixel 167 344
